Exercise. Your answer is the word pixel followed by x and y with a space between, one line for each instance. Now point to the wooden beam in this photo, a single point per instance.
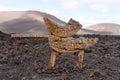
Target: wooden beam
pixel 29 35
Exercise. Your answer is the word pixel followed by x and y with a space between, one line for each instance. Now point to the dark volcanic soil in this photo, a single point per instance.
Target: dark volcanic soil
pixel 27 59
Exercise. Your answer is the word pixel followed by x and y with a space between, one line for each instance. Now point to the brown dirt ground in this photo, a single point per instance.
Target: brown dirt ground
pixel 27 59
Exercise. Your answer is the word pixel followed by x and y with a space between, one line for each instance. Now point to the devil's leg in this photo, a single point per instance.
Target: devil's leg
pixel 52 59
pixel 80 58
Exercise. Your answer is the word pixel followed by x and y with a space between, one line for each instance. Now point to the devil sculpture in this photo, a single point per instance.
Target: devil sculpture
pixel 62 40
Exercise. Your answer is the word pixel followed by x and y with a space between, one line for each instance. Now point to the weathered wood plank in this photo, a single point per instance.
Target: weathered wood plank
pixel 29 35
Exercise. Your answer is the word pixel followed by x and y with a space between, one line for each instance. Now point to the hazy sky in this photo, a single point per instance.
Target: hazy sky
pixel 87 12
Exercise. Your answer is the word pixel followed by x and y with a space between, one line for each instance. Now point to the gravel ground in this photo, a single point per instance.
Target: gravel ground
pixel 27 59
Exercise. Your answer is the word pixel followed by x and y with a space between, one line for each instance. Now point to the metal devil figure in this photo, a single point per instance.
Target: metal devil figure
pixel 62 40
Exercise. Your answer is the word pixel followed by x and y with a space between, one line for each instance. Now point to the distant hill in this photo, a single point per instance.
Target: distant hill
pixel 30 22
pixel 110 28
pixel 25 22
pixel 88 31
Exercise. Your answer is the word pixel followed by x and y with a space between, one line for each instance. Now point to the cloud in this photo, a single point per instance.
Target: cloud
pixel 99 8
pixel 71 4
pixel 44 0
pixel 7 8
pixel 52 11
pixel 103 1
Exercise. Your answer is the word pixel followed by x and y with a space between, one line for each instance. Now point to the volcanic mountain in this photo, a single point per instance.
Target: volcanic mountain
pixel 25 22
pixel 110 28
pixel 30 22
